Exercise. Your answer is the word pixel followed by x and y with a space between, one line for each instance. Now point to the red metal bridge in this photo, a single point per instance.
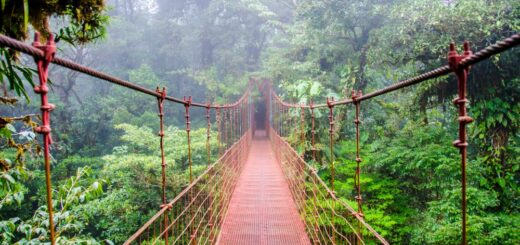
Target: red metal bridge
pixel 261 190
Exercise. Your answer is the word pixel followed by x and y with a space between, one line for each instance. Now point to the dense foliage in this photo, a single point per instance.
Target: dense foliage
pixel 106 162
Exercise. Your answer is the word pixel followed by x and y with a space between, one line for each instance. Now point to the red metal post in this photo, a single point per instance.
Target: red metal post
pixel 208 153
pixel 302 132
pixel 187 105
pixel 224 128
pixel 331 141
pixel 49 50
pixel 462 75
pixel 275 115
pixel 219 135
pixel 187 115
pixel 281 118
pixel 208 133
pixel 232 125
pixel 160 101
pixel 331 165
pixel 239 119
pixel 243 117
pixel 235 124
pixel 276 120
pixel 357 178
pixel 313 132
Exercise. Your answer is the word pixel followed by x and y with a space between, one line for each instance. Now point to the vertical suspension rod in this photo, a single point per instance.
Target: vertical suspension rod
pixel 331 164
pixel 208 133
pixel 313 132
pixel 302 129
pixel 187 115
pixel 49 50
pixel 160 101
pixel 357 177
pixel 454 60
pixel 219 136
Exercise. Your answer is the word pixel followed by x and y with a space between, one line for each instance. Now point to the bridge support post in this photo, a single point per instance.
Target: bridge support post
pixel 331 164
pixel 357 178
pixel 49 50
pixel 313 132
pixel 219 136
pixel 454 60
pixel 211 172
pixel 302 132
pixel 187 104
pixel 160 101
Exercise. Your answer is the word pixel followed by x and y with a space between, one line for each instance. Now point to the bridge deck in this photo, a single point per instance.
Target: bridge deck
pixel 262 210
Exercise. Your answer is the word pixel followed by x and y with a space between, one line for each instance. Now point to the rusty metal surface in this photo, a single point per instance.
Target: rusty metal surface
pixel 262 210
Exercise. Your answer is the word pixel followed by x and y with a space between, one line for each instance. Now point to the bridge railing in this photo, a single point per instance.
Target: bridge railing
pixel 284 122
pixel 328 219
pixel 195 215
pixel 196 212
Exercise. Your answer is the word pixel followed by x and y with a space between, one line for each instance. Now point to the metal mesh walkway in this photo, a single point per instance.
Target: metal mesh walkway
pixel 262 210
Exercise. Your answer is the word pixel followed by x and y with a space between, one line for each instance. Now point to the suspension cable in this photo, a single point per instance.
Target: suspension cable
pixel 40 54
pixel 466 62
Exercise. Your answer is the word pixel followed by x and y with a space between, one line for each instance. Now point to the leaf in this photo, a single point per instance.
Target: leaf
pixel 6 133
pixel 95 185
pixel 501 182
pixel 27 74
pixel 315 89
pixel 25 14
pixel 82 197
pixel 10 127
pixel 9 178
pixel 27 135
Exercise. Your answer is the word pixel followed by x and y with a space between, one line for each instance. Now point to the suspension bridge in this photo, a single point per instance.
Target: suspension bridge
pixel 260 190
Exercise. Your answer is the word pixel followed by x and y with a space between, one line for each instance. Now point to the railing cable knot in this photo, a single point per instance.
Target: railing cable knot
pixel 49 51
pixel 169 206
